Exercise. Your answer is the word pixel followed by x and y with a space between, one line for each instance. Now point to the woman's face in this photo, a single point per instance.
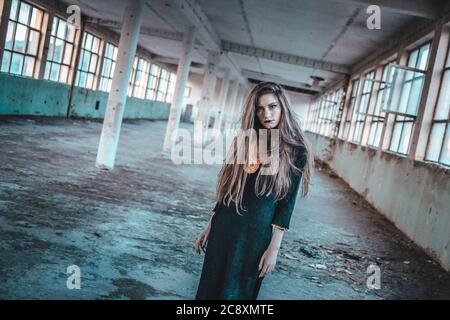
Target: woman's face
pixel 268 111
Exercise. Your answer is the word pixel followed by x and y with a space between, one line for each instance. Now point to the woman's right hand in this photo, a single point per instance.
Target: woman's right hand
pixel 202 239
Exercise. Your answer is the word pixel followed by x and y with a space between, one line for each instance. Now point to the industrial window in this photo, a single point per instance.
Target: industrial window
pixel 60 51
pixel 87 66
pixel 438 149
pixel 351 106
pixel 171 87
pixel 139 79
pixel 152 83
pixel 23 39
pixel 404 98
pixel 377 117
pixel 338 110
pixel 328 113
pixel 109 65
pixel 361 111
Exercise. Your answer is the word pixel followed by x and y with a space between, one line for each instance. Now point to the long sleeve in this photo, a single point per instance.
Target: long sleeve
pixel 285 206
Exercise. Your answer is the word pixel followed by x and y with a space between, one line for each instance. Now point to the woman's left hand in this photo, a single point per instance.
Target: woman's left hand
pixel 268 261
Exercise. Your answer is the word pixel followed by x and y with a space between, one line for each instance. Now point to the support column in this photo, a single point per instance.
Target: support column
pixel 218 117
pixel 238 108
pixel 207 101
pixel 48 21
pixel 232 105
pixel 118 96
pixel 5 8
pixel 180 86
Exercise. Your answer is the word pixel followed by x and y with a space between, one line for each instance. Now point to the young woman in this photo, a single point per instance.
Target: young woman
pixel 253 210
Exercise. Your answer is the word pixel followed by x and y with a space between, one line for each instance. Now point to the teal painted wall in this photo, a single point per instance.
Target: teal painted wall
pixel 25 96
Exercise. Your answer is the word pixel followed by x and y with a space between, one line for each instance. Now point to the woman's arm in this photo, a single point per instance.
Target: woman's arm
pixel 269 258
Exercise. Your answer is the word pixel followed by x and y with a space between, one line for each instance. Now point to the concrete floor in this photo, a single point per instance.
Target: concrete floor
pixel 131 231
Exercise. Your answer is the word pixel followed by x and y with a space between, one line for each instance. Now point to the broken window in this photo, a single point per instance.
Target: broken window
pixel 23 39
pixel 109 65
pixel 88 64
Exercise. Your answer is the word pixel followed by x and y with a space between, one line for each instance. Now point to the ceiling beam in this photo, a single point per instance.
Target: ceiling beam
pixel 284 58
pixel 192 11
pixel 430 9
pixel 268 77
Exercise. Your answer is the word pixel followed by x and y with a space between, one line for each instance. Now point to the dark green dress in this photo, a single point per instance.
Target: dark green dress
pixel 236 243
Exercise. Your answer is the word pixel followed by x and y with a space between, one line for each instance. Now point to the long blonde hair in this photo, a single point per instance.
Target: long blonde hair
pixel 232 176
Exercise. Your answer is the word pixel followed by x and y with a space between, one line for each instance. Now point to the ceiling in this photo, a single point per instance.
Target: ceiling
pixel 329 32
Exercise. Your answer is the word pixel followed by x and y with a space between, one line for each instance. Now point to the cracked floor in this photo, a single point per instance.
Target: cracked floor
pixel 131 231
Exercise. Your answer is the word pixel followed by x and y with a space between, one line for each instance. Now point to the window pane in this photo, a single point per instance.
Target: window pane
pixel 445 157
pixel 62 30
pixel 68 54
pixel 47 70
pixel 33 42
pixel 20 41
pixel 434 147
pixel 9 35
pixel 54 73
pixel 90 81
pixel 405 138
pixel 71 33
pixel 59 45
pixel 29 67
pixel 85 61
pixel 412 59
pixel 16 64
pixel 423 59
pixel 93 65
pixel 88 44
pixel 414 99
pixel 396 137
pixel 6 61
pixel 55 26
pixel 14 7
pixel 64 73
pixel 444 99
pixel 36 19
pixel 96 45
pixel 24 13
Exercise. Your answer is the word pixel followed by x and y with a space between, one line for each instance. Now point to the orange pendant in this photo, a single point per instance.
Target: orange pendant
pixel 252 167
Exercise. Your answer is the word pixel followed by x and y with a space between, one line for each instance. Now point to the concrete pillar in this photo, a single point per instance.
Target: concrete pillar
pixel 218 117
pixel 206 103
pixel 4 18
pixel 117 98
pixel 238 109
pixel 232 105
pixel 48 21
pixel 180 86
